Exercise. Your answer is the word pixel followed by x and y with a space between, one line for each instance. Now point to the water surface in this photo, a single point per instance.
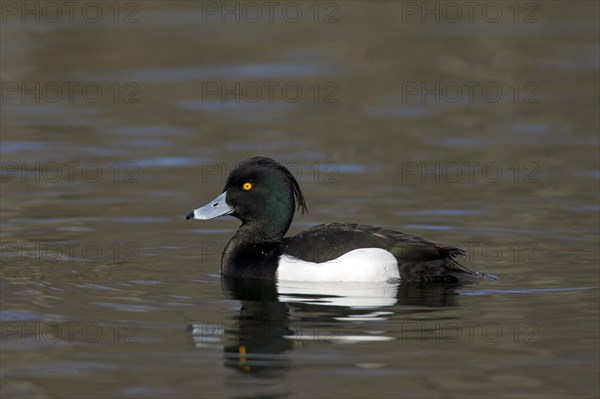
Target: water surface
pixel 108 292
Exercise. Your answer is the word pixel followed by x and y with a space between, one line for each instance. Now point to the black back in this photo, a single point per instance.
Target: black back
pixel 418 259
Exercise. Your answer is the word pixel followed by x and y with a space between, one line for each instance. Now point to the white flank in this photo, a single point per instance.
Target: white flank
pixel 360 265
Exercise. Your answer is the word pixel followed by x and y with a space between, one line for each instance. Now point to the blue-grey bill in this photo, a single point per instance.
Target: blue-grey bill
pixel 215 208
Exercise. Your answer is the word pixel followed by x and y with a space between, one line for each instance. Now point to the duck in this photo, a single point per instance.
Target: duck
pixel 264 195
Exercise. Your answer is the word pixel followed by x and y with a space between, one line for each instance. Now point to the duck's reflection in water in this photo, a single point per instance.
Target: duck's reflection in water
pixel 260 329
pixel 276 318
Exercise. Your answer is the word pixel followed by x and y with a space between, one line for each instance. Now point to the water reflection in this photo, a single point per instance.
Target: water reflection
pixel 274 319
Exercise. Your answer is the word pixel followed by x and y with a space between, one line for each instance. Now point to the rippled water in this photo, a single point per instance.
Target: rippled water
pixel 385 115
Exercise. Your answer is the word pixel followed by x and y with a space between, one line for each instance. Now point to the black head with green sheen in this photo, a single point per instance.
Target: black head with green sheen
pixel 260 192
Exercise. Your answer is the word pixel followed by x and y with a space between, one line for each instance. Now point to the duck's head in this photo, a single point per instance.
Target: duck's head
pixel 260 192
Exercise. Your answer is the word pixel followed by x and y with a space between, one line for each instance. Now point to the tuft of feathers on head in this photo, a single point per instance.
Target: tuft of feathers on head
pixel 297 192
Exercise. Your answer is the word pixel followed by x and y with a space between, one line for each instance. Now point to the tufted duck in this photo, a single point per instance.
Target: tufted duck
pixel 262 193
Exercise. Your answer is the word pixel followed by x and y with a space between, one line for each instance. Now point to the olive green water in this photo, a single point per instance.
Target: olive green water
pixel 476 129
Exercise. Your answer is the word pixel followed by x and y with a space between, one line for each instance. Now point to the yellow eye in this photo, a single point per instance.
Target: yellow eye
pixel 247 186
